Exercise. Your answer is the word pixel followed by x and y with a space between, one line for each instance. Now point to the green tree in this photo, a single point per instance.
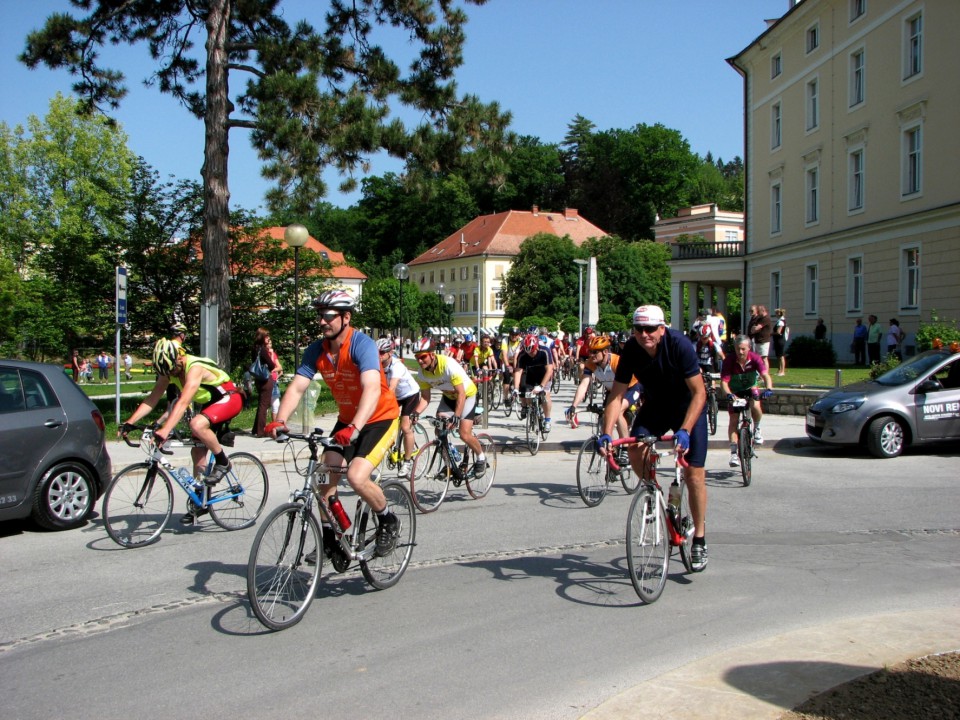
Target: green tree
pixel 313 99
pixel 629 274
pixel 542 280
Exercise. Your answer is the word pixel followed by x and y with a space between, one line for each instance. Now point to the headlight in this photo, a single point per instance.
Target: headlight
pixel 846 406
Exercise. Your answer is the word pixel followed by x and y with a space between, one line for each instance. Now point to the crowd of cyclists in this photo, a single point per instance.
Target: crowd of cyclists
pixel 652 380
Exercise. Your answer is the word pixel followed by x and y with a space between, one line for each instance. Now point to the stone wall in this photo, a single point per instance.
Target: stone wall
pixel 792 401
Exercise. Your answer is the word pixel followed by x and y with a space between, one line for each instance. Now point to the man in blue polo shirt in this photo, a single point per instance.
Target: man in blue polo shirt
pixel 665 363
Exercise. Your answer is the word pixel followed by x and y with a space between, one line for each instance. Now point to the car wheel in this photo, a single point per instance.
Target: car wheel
pixel 65 497
pixel 885 437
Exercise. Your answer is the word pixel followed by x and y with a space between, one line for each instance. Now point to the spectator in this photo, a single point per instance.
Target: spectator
pixel 895 338
pixel 820 330
pixel 127 366
pixel 874 333
pixel 264 386
pixel 75 366
pixel 780 340
pixel 761 332
pixel 860 334
pixel 103 362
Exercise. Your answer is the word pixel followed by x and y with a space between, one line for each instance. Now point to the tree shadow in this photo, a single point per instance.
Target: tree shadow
pixel 551 494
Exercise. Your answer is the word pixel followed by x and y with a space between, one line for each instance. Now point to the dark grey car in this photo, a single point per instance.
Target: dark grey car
pixel 53 460
pixel 914 403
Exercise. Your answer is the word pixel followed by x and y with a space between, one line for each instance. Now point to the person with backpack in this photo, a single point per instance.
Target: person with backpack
pixel 261 368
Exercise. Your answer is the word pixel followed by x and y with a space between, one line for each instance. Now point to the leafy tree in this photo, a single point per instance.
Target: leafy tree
pixel 542 279
pixel 313 99
pixel 380 308
pixel 630 274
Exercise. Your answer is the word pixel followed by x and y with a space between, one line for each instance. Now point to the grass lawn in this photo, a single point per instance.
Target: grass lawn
pixel 819 377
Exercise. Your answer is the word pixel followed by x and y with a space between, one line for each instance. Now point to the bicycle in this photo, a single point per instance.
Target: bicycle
pixel 709 380
pixel 745 451
pixel 654 525
pixel 555 382
pixel 138 502
pixel 393 457
pixel 491 388
pixel 287 553
pixel 594 473
pixel 440 462
pixel 509 402
pixel 535 421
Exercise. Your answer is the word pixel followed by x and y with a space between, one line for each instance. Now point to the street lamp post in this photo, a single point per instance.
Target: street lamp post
pixel 296 236
pixel 580 263
pixel 449 299
pixel 401 272
pixel 440 290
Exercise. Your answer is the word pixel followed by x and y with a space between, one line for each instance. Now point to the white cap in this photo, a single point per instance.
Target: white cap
pixel 648 315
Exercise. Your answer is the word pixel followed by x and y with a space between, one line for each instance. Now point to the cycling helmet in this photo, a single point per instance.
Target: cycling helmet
pixel 385 345
pixel 468 337
pixel 531 344
pixel 178 329
pixel 599 342
pixel 533 330
pixel 704 331
pixel 424 345
pixel 334 300
pixel 514 330
pixel 165 355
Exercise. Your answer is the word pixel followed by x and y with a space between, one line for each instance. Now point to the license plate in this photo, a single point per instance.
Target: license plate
pixel 811 420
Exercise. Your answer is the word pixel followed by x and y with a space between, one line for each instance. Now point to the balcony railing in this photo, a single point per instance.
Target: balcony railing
pixel 705 250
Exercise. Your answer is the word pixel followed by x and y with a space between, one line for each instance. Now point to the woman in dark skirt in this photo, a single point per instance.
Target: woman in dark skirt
pixel 264 387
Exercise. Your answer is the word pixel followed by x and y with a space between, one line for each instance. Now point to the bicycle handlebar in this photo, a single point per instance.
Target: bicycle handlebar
pixel 649 440
pixel 148 434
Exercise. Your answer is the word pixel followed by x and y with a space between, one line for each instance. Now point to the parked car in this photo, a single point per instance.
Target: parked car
pixel 55 463
pixel 916 402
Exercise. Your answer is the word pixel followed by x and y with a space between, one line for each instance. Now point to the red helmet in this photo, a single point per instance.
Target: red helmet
pixel 705 331
pixel 424 345
pixel 531 344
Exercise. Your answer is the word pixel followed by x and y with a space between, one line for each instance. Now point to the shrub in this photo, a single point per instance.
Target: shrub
pixel 805 351
pixel 888 363
pixel 944 329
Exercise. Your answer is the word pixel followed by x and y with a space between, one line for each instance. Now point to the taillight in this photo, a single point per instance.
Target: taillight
pixel 98 419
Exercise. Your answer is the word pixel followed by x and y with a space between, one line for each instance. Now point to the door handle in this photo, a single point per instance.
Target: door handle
pixel 53 423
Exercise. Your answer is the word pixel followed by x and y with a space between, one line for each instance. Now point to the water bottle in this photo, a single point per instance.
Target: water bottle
pixel 336 507
pixel 455 454
pixel 675 495
pixel 184 478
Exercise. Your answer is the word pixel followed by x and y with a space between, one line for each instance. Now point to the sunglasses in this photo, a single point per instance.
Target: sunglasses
pixel 328 316
pixel 646 329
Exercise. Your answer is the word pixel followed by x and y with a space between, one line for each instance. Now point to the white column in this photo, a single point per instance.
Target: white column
pixel 693 302
pixel 676 304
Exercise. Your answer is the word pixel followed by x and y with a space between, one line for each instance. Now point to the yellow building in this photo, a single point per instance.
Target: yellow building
pixel 852 205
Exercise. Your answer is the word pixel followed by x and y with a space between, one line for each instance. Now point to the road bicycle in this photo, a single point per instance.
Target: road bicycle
pixel 287 553
pixel 655 525
pixel 555 381
pixel 595 474
pixel 745 451
pixel 710 382
pixel 138 502
pixel 510 404
pixel 535 422
pixel 491 388
pixel 441 462
pixel 568 368
pixel 390 464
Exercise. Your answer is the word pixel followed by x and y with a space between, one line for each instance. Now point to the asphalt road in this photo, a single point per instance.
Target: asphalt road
pixel 515 606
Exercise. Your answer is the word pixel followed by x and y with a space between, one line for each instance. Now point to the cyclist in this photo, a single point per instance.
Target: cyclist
pixel 674 398
pixel 509 350
pixel 458 395
pixel 402 384
pixel 200 379
pixel 602 366
pixel 468 349
pixel 534 371
pixel 367 422
pixel 583 351
pixel 740 376
pixel 484 357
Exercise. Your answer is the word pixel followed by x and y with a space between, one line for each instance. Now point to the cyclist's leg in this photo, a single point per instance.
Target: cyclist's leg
pixel 367 451
pixel 695 477
pixel 407 408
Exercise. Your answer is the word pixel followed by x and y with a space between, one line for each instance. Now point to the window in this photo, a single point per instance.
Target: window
pixel 463 302
pixel 813 195
pixel 910 278
pixel 776 65
pixel 813 37
pixel 912 160
pixel 857 77
pixel 776 192
pixel 431 277
pixel 776 125
pixel 463 272
pixel 810 289
pixel 476 300
pixel 476 272
pixel 496 301
pixel 913 46
pixel 731 235
pixel 857 9
pixel 442 272
pixel 775 289
pixel 813 104
pixel 855 284
pixel 855 170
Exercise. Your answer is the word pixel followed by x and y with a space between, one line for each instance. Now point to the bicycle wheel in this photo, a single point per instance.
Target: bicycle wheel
pixel 648 546
pixel 712 412
pixel 496 394
pixel 628 478
pixel 685 524
pixel 509 402
pixel 533 429
pixel 479 487
pixel 137 505
pixel 280 584
pixel 745 452
pixel 555 383
pixel 383 571
pixel 429 478
pixel 239 501
pixel 591 474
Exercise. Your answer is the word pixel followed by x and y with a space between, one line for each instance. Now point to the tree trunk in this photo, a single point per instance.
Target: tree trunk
pixel 216 193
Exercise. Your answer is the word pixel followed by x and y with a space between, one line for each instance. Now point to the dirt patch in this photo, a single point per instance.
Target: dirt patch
pixel 920 688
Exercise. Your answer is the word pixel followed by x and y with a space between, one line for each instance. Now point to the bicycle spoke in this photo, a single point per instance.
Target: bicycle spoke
pixel 648 548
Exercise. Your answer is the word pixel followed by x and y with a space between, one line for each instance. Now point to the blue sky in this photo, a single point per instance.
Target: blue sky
pixel 616 62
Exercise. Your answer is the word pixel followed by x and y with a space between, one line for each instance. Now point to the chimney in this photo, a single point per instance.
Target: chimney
pixel 536 210
pixel 570 214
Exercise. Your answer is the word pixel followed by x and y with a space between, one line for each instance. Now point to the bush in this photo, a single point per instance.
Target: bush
pixel 888 363
pixel 945 330
pixel 805 351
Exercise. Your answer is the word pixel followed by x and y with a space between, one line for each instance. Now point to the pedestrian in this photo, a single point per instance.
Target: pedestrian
pixel 75 366
pixel 874 334
pixel 103 362
pixel 127 366
pixel 780 340
pixel 820 330
pixel 860 334
pixel 263 383
pixel 895 337
pixel 277 372
pixel 761 332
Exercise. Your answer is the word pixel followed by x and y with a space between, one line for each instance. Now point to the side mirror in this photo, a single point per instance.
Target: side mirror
pixel 929 385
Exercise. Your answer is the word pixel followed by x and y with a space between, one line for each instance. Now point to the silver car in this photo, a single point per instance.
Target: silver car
pixel 916 402
pixel 54 461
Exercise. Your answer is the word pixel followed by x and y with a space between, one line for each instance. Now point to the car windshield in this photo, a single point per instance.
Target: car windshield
pixel 912 369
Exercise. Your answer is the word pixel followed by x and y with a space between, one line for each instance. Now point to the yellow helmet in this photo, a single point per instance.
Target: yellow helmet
pixel 165 355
